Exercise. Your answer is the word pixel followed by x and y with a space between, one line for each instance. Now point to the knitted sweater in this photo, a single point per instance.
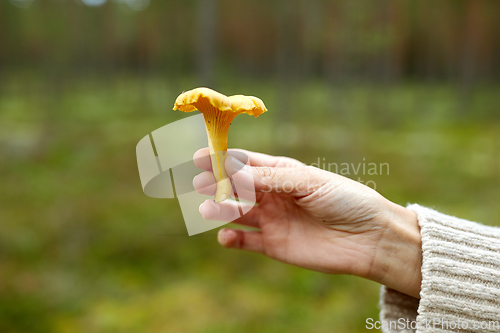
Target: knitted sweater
pixel 460 289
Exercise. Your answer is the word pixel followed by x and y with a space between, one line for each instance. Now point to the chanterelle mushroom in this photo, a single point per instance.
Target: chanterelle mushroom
pixel 218 111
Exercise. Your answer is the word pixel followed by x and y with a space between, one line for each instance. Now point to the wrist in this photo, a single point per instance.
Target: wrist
pixel 398 261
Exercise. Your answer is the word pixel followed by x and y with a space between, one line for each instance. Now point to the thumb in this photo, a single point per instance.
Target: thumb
pixel 296 181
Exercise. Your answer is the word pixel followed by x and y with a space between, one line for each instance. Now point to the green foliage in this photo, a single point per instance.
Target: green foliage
pixel 82 249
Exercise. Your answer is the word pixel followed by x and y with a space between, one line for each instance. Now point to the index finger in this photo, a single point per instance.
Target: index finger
pixel 201 159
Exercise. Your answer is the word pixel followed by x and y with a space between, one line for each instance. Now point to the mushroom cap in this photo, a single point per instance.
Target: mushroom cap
pixel 186 102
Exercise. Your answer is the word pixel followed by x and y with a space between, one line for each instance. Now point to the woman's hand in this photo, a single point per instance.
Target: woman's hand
pixel 316 219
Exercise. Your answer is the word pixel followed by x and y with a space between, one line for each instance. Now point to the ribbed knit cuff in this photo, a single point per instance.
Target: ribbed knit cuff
pixel 460 289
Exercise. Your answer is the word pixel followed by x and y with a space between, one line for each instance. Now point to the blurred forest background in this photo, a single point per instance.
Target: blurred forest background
pixel 411 83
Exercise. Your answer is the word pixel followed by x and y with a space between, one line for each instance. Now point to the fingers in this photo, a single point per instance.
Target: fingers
pixel 205 183
pixel 229 211
pixel 201 159
pixel 223 211
pixel 297 181
pixel 240 239
pixel 260 159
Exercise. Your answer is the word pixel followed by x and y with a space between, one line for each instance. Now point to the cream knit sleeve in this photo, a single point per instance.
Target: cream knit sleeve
pixel 460 289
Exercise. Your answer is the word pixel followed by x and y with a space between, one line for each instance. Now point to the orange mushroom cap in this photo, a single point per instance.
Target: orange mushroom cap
pixel 187 101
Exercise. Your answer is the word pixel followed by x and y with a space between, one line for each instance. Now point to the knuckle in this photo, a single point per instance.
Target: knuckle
pixel 268 175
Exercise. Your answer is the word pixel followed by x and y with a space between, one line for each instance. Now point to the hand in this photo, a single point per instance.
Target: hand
pixel 317 220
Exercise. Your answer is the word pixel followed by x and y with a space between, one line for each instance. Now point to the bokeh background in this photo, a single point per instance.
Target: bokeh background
pixel 411 83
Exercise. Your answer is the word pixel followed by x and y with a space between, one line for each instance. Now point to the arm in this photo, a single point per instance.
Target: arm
pixel 331 224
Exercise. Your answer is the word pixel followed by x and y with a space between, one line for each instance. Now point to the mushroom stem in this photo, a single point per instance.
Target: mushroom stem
pixel 217 125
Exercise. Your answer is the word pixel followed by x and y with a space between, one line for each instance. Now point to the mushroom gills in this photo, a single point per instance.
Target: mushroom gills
pixel 217 125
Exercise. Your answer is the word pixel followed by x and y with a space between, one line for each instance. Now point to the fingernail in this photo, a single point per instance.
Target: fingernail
pixel 224 236
pixel 195 178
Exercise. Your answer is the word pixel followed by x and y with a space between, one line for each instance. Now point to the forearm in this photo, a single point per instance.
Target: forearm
pixel 398 261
